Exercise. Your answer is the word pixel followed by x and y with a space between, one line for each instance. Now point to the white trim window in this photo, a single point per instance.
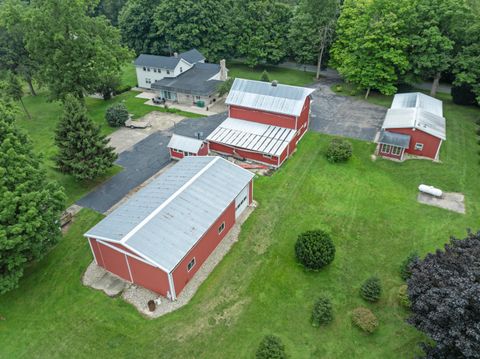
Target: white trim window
pixel 221 228
pixel 148 81
pixel 191 264
pixel 396 151
pixel 419 146
pixel 168 72
pixel 148 69
pixel 384 148
pixel 267 156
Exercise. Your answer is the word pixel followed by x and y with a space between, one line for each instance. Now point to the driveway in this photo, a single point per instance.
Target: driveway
pixel 344 116
pixel 143 160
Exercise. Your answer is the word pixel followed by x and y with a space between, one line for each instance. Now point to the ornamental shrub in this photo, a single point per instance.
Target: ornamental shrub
pixel 371 289
pixel 403 296
pixel 365 319
pixel 322 312
pixel 265 77
pixel 405 271
pixel 117 115
pixel 339 150
pixel 315 249
pixel 271 347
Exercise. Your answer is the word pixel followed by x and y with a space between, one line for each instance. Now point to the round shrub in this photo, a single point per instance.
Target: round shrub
pixel 365 319
pixel 271 347
pixel 405 271
pixel 403 296
pixel 117 115
pixel 322 312
pixel 371 289
pixel 339 150
pixel 314 249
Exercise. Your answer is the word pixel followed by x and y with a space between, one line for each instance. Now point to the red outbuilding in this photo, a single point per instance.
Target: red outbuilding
pixel 413 125
pixel 182 146
pixel 265 121
pixel 164 233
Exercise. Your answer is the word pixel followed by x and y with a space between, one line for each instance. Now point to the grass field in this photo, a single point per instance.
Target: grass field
pixel 282 75
pixel 369 208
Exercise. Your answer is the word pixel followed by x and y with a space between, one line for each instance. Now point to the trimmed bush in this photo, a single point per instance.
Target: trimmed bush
pixel 403 296
pixel 322 312
pixel 463 95
pixel 121 89
pixel 315 249
pixel 271 347
pixel 371 289
pixel 265 77
pixel 405 271
pixel 116 115
pixel 365 319
pixel 339 150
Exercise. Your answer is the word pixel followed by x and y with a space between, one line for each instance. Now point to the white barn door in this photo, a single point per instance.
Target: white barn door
pixel 241 202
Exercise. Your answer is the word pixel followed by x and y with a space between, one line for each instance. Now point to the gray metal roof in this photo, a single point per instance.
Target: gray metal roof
pixel 194 81
pixel 394 139
pixel 186 144
pixel 253 136
pixel 415 118
pixel 259 95
pixel 165 219
pixel 418 100
pixel 168 62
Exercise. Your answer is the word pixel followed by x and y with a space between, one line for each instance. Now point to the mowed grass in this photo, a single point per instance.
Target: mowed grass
pixel 369 208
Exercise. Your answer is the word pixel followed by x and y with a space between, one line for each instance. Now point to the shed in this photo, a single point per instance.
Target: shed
pixel 162 235
pixel 181 146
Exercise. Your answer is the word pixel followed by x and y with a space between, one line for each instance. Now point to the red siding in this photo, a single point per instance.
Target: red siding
pixel 175 155
pixel 96 252
pixel 430 143
pixel 148 276
pixel 114 261
pixel 304 115
pixel 267 118
pixel 203 248
pixel 204 150
pixel 254 156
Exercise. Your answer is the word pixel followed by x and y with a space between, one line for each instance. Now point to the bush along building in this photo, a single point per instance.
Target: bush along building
pixel 265 121
pixel 182 78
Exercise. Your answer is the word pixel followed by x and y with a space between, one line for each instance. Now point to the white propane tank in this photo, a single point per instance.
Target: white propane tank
pixel 430 190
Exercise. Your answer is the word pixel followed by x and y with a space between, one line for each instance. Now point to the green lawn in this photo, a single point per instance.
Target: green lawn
pixel 369 208
pixel 282 75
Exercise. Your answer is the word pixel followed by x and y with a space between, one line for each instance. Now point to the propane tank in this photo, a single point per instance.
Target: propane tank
pixel 430 190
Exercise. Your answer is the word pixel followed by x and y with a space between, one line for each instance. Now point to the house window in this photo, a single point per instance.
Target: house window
pixel 419 146
pixel 396 151
pixel 148 81
pixel 197 98
pixel 221 228
pixel 154 70
pixel 168 72
pixel 385 148
pixel 144 68
pixel 191 264
pixel 181 70
pixel 159 71
pixel 148 69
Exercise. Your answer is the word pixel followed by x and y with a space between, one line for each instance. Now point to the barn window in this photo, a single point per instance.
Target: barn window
pixel 385 148
pixel 396 151
pixel 221 228
pixel 418 146
pixel 267 156
pixel 191 264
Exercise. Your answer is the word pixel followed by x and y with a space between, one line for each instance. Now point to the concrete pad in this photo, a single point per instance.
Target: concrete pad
pixel 146 95
pixel 451 201
pixel 98 278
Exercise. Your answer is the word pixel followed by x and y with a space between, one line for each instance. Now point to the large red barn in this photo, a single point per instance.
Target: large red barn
pixel 265 121
pixel 162 235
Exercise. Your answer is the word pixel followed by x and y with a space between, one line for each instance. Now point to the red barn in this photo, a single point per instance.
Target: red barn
pixel 413 125
pixel 181 146
pixel 265 121
pixel 162 235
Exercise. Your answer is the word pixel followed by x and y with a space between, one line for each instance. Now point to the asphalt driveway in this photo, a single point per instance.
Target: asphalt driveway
pixel 143 160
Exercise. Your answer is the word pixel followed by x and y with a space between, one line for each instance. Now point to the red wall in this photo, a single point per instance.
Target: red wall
pixel 149 276
pixel 304 115
pixel 254 156
pixel 114 261
pixel 175 155
pixel 267 118
pixel 202 152
pixel 430 143
pixel 203 248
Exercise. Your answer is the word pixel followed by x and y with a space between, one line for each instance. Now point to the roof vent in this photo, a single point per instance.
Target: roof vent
pixel 274 83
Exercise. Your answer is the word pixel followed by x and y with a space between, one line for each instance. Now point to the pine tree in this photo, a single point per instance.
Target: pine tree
pixel 83 151
pixel 30 206
pixel 265 77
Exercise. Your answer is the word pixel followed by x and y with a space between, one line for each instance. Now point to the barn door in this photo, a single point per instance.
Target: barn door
pixel 241 202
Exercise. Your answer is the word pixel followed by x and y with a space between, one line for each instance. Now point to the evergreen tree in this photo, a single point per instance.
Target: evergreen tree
pixel 83 151
pixel 30 206
pixel 265 77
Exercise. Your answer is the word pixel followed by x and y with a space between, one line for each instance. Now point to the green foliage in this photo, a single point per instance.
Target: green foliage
pixel 82 150
pixel 403 296
pixel 121 89
pixel 371 289
pixel 463 95
pixel 30 205
pixel 339 150
pixel 225 86
pixel 405 271
pixel 315 249
pixel 265 77
pixel 364 319
pixel 110 9
pixel 107 87
pixel 271 347
pixel 322 312
pixel 117 115
pixel 466 67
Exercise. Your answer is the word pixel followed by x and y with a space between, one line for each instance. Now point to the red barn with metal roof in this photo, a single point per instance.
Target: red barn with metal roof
pixel 182 146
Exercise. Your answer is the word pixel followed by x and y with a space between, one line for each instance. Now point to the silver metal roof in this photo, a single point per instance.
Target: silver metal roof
pixel 418 100
pixel 165 219
pixel 415 118
pixel 394 139
pixel 259 95
pixel 186 144
pixel 253 136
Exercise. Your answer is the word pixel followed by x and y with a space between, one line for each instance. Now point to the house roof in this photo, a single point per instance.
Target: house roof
pixel 195 81
pixel 394 139
pixel 415 118
pixel 163 221
pixel 186 144
pixel 418 100
pixel 253 136
pixel 168 62
pixel 259 95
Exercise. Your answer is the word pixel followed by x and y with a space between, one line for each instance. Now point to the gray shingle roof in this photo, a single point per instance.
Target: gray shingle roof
pixel 192 56
pixel 394 139
pixel 168 62
pixel 164 220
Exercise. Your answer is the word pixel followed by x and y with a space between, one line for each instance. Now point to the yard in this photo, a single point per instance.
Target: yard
pixel 282 75
pixel 369 208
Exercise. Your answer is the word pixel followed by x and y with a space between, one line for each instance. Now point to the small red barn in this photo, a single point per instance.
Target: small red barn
pixel 182 146
pixel 413 125
pixel 162 235
pixel 265 121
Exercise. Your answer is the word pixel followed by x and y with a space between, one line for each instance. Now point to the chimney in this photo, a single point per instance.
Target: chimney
pixel 274 83
pixel 223 70
pixel 175 54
